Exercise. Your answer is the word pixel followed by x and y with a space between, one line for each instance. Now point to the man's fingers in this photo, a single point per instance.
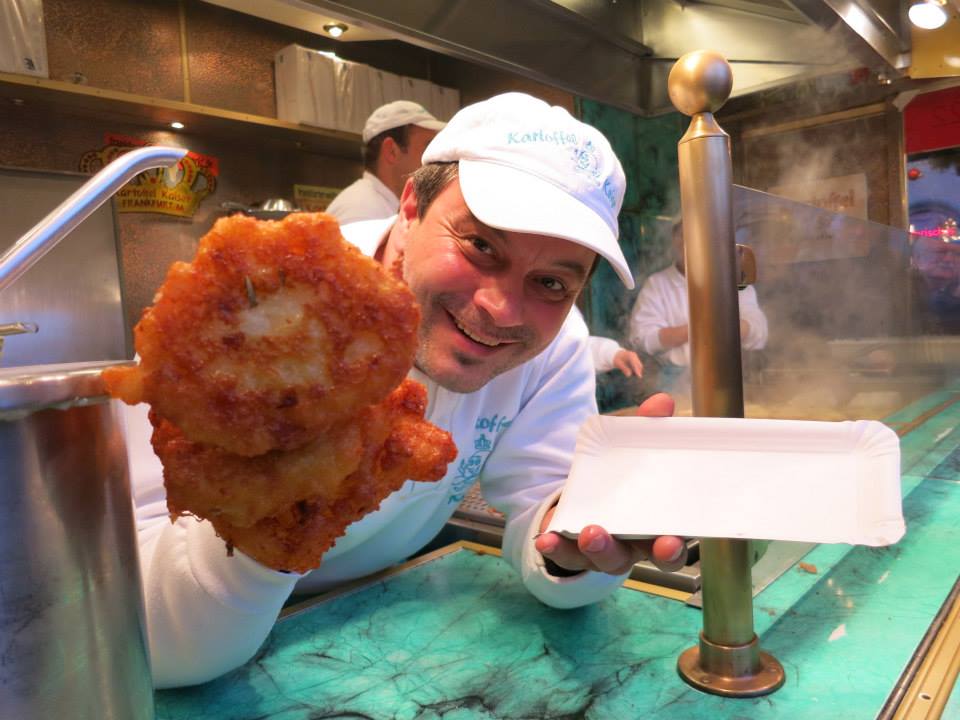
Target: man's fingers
pixel 597 550
pixel 594 550
pixel 562 551
pixel 669 553
pixel 659 405
pixel 604 553
pixel 637 364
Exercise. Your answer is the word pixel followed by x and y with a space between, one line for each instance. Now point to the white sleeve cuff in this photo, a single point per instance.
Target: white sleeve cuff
pixel 603 350
pixel 561 592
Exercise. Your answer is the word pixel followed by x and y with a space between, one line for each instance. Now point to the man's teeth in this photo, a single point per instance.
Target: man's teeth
pixel 473 337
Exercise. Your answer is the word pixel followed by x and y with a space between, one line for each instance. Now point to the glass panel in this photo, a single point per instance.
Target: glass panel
pixel 853 329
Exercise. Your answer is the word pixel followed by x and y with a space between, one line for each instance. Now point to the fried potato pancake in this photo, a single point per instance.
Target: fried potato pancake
pixel 295 535
pixel 209 482
pixel 276 332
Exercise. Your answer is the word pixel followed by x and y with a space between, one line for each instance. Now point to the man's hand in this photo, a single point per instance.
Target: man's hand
pixel 595 549
pixel 628 362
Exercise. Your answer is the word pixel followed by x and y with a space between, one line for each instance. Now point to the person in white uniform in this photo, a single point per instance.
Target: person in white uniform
pixel 659 322
pixel 497 235
pixel 394 138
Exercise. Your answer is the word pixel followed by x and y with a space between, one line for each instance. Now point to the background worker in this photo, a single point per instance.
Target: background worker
pixel 659 322
pixel 394 138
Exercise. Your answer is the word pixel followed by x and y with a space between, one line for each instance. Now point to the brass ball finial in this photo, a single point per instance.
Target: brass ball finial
pixel 700 81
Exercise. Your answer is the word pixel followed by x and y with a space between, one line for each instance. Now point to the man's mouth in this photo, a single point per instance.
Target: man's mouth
pixel 484 340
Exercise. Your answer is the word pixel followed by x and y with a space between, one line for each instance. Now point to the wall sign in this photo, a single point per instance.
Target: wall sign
pixel 845 194
pixel 173 191
pixel 313 198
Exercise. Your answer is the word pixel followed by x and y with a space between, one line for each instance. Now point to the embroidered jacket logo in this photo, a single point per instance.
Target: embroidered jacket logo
pixel 468 469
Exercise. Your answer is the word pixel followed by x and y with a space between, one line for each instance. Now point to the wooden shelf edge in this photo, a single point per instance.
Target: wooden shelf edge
pixel 198 118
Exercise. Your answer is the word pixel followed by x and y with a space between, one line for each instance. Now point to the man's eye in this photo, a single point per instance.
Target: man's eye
pixel 553 285
pixel 481 245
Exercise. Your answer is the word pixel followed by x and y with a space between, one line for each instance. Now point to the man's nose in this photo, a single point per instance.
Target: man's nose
pixel 502 300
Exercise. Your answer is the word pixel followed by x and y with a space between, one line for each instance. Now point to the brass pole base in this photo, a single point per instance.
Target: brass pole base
pixel 732 671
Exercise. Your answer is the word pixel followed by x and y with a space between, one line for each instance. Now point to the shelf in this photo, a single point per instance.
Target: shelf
pixel 199 119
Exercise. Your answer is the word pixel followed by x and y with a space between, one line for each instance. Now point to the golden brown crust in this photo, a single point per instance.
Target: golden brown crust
pixel 274 333
pixel 209 482
pixel 296 537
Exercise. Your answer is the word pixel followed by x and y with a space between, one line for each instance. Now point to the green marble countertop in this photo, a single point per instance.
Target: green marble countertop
pixel 952 709
pixel 456 636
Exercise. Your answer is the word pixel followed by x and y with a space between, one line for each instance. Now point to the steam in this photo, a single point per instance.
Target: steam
pixel 835 292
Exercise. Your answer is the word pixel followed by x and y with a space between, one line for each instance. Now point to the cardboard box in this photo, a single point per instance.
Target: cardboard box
pixel 23 41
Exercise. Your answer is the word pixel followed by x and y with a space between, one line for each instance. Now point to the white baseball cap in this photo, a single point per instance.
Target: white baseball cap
pixel 528 167
pixel 397 114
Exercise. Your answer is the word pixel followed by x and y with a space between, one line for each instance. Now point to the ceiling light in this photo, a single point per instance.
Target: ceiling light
pixel 929 14
pixel 335 30
pixel 177 125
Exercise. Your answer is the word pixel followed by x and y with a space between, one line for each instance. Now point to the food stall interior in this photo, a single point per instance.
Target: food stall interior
pixel 860 303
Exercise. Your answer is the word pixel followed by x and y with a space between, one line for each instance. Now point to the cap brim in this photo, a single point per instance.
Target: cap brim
pixel 431 124
pixel 511 199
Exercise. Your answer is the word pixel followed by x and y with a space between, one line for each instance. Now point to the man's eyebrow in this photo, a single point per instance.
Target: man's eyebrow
pixel 467 220
pixel 574 266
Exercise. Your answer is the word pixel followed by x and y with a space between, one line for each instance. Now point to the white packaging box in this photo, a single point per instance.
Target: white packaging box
pixel 23 42
pixel 306 86
pixel 444 101
pixel 419 92
pixel 359 93
pixel 391 86
pixel 319 89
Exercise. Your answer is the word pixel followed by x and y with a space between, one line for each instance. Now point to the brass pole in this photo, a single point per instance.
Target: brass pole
pixel 728 660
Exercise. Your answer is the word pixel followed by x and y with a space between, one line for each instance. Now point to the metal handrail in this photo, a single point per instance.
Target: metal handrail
pixel 44 236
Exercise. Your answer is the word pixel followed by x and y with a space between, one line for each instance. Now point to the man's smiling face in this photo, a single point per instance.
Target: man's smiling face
pixel 490 299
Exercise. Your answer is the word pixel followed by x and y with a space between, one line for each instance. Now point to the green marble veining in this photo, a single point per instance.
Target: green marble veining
pixel 458 637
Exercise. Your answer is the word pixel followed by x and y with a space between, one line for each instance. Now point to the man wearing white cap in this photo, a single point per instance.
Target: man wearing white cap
pixel 394 138
pixel 496 236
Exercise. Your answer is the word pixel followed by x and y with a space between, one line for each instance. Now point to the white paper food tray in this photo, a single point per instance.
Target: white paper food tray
pixel 824 482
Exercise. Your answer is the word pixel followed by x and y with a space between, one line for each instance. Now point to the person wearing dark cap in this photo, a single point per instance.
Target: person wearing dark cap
pixel 394 138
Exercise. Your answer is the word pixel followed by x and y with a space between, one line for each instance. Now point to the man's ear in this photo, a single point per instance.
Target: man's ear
pixel 406 219
pixel 408 203
pixel 389 150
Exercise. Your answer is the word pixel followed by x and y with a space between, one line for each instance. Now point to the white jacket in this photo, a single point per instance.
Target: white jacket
pixel 663 302
pixel 602 349
pixel 208 613
pixel 365 199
